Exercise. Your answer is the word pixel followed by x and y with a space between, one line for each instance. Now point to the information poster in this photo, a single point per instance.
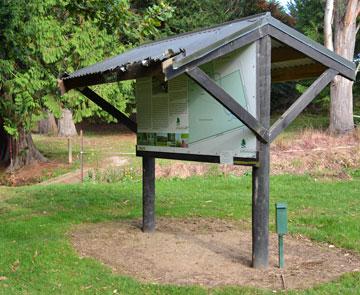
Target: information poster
pixel 178 116
pixel 163 113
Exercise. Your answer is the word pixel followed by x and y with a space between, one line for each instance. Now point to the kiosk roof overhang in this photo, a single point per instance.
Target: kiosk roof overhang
pixel 171 56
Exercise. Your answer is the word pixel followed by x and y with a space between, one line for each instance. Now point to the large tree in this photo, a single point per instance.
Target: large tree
pixel 340 28
pixel 41 39
pixel 311 20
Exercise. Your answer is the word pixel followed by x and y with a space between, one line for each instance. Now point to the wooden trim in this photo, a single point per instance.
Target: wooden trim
pixel 301 103
pixel 285 53
pixel 109 108
pixel 242 41
pixel 311 52
pixel 292 73
pixel 196 158
pixel 205 82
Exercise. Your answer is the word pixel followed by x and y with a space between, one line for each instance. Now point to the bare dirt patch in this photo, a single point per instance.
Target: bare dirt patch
pixel 32 173
pixel 209 252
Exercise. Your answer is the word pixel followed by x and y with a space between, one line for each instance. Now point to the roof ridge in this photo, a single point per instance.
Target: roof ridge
pixel 203 30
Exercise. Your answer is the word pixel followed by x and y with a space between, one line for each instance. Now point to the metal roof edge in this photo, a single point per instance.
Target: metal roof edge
pixel 246 18
pixel 183 60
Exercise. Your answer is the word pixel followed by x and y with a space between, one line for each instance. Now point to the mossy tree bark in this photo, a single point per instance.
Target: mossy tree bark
pixel 22 151
pixel 4 147
pixel 48 125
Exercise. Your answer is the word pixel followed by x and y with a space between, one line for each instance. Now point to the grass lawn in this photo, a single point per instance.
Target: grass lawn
pixel 37 258
pixel 105 142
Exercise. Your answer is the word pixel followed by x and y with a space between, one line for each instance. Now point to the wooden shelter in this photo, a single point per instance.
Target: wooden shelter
pixel 282 54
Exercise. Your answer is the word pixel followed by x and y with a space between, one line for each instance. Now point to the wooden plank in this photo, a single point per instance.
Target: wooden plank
pixel 311 52
pixel 285 53
pixel 109 108
pixel 301 103
pixel 205 82
pixel 260 174
pixel 196 157
pixel 148 194
pixel 242 41
pixel 307 71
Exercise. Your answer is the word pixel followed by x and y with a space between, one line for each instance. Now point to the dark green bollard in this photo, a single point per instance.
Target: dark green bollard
pixel 281 229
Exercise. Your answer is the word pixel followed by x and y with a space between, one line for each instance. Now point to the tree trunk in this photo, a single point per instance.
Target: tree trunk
pixel 66 124
pixel 48 125
pixel 23 152
pixel 328 22
pixel 341 107
pixel 4 147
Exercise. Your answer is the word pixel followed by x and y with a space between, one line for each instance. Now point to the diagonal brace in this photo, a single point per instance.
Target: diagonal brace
pixel 109 108
pixel 205 82
pixel 302 102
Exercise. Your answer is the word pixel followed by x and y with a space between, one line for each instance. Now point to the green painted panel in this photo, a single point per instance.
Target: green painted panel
pixel 207 117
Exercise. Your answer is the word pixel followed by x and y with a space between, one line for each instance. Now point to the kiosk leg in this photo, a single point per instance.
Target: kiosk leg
pixel 260 175
pixel 260 212
pixel 148 194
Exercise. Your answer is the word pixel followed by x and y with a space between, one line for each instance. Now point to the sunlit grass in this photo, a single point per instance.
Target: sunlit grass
pixel 37 258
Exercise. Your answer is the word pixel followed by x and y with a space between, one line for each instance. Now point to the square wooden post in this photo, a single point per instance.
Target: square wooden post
pixel 260 174
pixel 148 194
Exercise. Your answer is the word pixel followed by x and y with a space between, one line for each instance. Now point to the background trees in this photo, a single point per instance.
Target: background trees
pixel 341 27
pixel 41 39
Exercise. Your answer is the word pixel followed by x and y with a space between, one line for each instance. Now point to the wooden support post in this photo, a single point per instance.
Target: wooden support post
pixel 148 194
pixel 70 149
pixel 109 108
pixel 260 174
pixel 81 156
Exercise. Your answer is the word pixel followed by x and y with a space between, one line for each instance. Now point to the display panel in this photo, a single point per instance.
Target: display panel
pixel 180 117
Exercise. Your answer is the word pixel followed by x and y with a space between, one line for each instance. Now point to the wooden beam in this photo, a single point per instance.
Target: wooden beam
pixel 261 174
pixel 301 103
pixel 297 72
pixel 285 53
pixel 242 41
pixel 205 82
pixel 195 157
pixel 109 108
pixel 311 52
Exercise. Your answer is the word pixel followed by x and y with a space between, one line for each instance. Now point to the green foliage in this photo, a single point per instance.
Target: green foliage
pixel 42 39
pixel 190 15
pixel 309 17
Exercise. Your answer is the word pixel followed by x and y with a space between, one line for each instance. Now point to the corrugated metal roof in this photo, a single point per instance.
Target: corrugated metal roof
pixel 189 47
pixel 187 43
